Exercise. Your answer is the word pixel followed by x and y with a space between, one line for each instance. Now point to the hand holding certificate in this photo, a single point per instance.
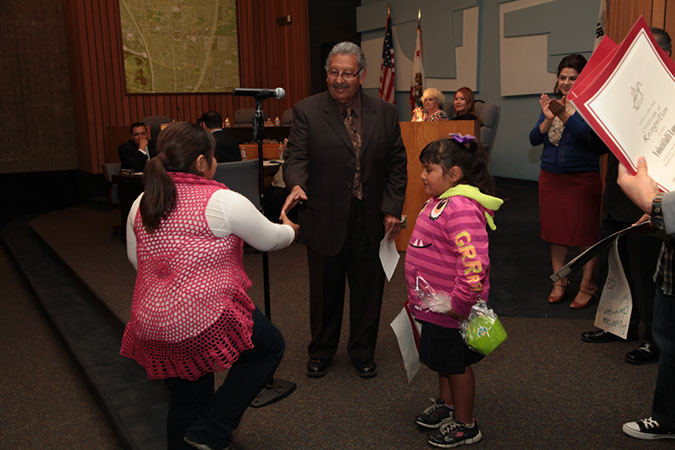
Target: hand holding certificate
pixel 626 93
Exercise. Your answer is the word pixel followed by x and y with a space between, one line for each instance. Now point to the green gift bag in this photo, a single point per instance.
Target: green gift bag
pixel 482 331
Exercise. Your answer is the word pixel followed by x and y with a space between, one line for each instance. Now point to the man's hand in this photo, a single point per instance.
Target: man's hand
pixel 143 144
pixel 640 188
pixel 392 225
pixel 297 194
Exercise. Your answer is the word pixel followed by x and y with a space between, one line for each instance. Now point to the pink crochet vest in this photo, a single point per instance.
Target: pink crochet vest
pixel 190 314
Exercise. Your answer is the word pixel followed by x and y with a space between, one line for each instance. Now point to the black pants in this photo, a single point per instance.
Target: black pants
pixel 358 261
pixel 212 417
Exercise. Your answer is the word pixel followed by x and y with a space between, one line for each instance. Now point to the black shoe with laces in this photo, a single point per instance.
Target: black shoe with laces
pixel 435 415
pixel 648 429
pixel 453 434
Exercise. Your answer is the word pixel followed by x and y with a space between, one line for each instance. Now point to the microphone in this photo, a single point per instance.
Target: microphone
pixel 260 94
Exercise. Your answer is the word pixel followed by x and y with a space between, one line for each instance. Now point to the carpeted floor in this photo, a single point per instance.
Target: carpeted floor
pixel 542 388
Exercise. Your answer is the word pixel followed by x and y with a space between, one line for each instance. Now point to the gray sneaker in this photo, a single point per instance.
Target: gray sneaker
pixel 453 434
pixel 435 415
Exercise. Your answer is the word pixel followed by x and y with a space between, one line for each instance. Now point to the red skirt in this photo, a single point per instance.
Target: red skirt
pixel 569 207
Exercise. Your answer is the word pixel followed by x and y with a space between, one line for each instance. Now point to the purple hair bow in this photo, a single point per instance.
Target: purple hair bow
pixel 462 139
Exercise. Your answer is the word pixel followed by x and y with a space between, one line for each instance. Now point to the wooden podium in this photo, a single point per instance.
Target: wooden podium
pixel 416 135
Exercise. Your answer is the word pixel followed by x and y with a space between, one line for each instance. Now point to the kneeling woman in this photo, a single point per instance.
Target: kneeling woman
pixel 190 315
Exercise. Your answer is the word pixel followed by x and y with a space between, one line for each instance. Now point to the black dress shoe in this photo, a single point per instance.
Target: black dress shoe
pixel 317 367
pixel 647 353
pixel 365 368
pixel 597 336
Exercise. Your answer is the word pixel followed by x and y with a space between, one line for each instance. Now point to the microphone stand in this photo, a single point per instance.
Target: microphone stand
pixel 275 389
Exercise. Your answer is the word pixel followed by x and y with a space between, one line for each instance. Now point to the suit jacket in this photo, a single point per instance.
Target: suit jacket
pixel 131 158
pixel 320 158
pixel 227 149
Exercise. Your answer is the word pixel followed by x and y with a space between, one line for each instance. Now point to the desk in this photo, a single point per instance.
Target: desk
pixel 416 135
pixel 129 187
pixel 245 133
pixel 270 151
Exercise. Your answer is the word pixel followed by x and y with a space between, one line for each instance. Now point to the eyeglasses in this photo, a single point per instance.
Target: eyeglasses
pixel 334 73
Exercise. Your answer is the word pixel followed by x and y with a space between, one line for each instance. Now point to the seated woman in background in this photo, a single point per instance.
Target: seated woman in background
pixel 463 105
pixel 190 315
pixel 569 182
pixel 432 100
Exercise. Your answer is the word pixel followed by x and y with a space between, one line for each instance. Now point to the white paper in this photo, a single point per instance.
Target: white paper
pixel 616 303
pixel 389 257
pixel 636 108
pixel 406 343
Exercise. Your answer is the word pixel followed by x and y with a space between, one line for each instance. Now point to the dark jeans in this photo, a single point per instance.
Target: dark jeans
pixel 663 408
pixel 212 417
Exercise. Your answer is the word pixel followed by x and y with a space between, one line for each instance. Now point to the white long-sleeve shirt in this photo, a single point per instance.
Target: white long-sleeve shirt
pixel 228 212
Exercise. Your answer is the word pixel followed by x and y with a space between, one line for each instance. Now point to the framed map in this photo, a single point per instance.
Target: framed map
pixel 179 46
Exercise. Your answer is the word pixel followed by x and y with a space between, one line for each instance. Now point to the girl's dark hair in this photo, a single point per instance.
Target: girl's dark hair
pixel 574 61
pixel 473 161
pixel 178 147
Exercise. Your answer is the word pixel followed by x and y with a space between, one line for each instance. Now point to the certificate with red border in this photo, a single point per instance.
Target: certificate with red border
pixel 630 103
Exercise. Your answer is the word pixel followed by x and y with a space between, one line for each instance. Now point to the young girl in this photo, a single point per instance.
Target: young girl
pixel 449 249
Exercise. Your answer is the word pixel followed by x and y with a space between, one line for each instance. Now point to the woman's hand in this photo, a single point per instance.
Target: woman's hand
pixel 286 221
pixel 544 101
pixel 558 108
pixel 418 114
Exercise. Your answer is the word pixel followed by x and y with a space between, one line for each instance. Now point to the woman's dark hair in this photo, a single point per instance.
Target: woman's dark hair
pixel 468 96
pixel 574 61
pixel 178 147
pixel 472 159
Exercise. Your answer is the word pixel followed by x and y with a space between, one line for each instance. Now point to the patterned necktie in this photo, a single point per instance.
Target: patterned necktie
pixel 356 143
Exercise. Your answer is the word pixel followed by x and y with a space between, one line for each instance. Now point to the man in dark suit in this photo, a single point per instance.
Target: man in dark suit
pixel 136 151
pixel 227 149
pixel 346 165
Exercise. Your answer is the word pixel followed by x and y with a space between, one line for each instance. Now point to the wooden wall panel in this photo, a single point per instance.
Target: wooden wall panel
pixel 270 55
pixel 622 15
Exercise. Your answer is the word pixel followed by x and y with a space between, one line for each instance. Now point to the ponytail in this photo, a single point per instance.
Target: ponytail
pixel 179 146
pixel 159 198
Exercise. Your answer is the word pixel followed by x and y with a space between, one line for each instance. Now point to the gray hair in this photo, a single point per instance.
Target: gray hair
pixel 662 38
pixel 348 48
pixel 435 94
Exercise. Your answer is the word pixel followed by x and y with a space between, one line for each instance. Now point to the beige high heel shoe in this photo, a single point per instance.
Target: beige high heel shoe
pixel 586 294
pixel 562 283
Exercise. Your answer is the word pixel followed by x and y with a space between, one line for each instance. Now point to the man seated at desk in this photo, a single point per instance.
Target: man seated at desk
pixel 138 150
pixel 227 149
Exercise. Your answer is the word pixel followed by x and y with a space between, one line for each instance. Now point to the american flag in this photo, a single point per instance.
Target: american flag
pixel 387 69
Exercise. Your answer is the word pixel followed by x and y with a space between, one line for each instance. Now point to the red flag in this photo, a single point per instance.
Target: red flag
pixel 387 69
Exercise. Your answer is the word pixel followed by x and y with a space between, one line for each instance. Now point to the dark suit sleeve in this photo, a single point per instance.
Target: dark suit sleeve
pixel 296 155
pixel 396 176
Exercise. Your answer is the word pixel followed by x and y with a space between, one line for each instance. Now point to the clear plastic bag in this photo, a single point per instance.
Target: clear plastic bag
pixel 430 299
pixel 482 331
